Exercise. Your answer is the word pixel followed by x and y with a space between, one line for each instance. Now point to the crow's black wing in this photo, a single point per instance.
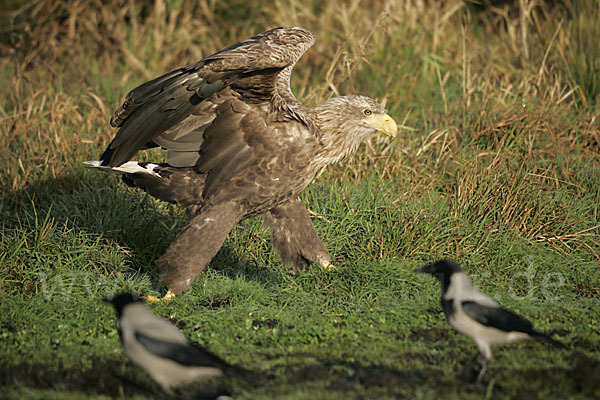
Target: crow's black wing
pixel 182 353
pixel 497 317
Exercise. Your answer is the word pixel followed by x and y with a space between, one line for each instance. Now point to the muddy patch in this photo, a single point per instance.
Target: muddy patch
pixel 383 377
pixel 109 377
pixel 115 378
pixel 429 335
pixel 584 344
pixel 585 373
pixel 316 372
pixel 267 323
pixel 215 302
pixel 340 374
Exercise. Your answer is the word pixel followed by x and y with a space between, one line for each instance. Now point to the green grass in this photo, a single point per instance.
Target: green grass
pixel 500 171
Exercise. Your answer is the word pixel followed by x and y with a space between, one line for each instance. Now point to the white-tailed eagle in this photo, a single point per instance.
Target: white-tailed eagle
pixel 239 144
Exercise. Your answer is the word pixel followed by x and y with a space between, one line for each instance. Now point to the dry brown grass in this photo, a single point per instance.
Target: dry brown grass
pixel 499 119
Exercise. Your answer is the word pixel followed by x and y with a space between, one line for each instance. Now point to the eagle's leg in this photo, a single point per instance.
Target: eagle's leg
pixel 294 237
pixel 196 245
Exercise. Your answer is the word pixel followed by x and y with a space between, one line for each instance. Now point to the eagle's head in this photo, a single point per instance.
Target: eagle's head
pixel 346 121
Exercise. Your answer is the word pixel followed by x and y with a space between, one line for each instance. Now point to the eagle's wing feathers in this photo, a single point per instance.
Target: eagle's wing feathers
pixel 143 93
pixel 225 149
pixel 165 103
pixel 163 108
pixel 275 48
pixel 256 156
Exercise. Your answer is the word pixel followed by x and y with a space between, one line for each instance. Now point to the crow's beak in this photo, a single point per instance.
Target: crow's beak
pixel 426 269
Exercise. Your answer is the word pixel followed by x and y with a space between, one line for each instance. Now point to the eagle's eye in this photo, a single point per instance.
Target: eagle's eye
pixel 367 111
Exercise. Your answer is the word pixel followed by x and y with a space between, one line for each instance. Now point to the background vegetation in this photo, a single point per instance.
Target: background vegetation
pixel 500 170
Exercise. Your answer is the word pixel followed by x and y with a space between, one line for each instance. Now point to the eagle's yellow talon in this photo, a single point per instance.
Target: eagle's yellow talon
pixel 168 297
pixel 152 299
pixel 328 266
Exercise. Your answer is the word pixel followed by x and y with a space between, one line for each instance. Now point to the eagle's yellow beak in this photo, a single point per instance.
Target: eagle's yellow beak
pixel 384 124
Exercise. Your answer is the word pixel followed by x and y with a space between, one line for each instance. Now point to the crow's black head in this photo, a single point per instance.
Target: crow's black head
pixel 441 267
pixel 119 301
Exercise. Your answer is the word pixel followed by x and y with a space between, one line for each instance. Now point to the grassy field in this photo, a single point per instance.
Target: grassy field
pixel 499 170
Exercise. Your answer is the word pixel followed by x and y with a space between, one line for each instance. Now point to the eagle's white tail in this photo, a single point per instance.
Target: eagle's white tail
pixel 130 167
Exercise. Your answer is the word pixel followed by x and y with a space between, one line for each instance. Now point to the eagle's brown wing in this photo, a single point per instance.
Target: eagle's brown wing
pixel 248 156
pixel 172 110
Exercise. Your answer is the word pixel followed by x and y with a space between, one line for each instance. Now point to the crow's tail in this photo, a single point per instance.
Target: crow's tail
pixel 547 339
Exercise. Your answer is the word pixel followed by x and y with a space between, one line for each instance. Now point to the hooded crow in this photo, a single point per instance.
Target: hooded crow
pixel 477 315
pixel 158 347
